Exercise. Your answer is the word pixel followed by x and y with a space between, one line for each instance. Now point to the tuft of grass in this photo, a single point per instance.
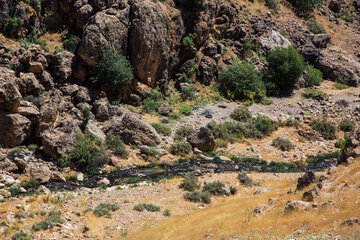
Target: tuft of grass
pixel 282 144
pixel 148 207
pixel 103 209
pixel 167 213
pixel 315 94
pixel 21 236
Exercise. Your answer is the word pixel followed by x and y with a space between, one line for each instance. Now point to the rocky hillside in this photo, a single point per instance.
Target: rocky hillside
pixel 116 95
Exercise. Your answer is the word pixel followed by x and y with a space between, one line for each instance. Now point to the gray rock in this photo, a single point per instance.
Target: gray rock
pixel 203 139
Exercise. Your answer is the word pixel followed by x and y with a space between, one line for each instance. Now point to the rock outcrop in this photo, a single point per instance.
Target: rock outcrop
pixel 202 139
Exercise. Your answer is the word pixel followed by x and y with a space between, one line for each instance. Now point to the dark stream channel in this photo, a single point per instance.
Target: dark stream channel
pixel 198 167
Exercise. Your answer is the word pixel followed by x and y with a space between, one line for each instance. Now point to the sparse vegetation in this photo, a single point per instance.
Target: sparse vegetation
pixel 22 236
pixel 196 196
pixel 190 183
pixel 167 213
pixel 151 104
pixel 313 77
pixel 180 148
pixel 315 94
pixel 347 16
pixel 342 83
pixel 243 82
pixel 183 132
pixel 162 129
pixel 228 131
pixel 346 125
pixel 105 209
pixel 113 70
pixel 259 127
pixel 315 27
pixel 274 5
pixel 282 144
pixel 115 144
pixel 148 207
pixel 186 109
pixel 215 188
pixel 241 114
pixel 71 43
pixel 49 221
pixel 325 128
pixel 307 5
pixel 188 92
pixel 188 41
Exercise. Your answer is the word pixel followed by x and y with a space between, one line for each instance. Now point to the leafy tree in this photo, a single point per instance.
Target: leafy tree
pixel 285 67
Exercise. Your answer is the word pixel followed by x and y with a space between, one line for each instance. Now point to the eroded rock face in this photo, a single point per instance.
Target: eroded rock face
pixel 272 41
pixel 63 63
pixel 351 150
pixel 133 130
pixel 203 139
pixel 151 41
pixel 40 173
pixel 14 129
pixel 10 96
pixel 107 29
pixel 306 180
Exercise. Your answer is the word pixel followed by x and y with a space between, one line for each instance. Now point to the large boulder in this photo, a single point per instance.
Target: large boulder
pixel 272 41
pixel 14 129
pixel 208 70
pixel 28 84
pixel 10 96
pixel 133 129
pixel 41 173
pixel 295 205
pixel 107 29
pixel 155 33
pixel 351 150
pixel 335 63
pixel 203 139
pixel 63 63
pixel 306 180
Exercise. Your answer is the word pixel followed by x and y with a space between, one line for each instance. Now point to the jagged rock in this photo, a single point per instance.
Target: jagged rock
pixel 104 30
pixel 20 163
pixel 5 193
pixel 43 189
pixel 95 130
pixel 310 195
pixel 261 190
pixel 50 110
pixel 295 205
pixel 102 109
pixel 350 221
pixel 210 50
pixel 28 84
pixel 83 14
pixel 203 139
pixel 40 173
pixel 164 108
pixel 46 80
pixel 202 32
pixel 58 177
pixel 208 70
pixel 306 180
pixel 352 148
pixel 7 165
pixel 133 129
pixel 36 67
pixel 272 41
pixel 103 181
pixel 28 109
pixel 14 129
pixel 236 33
pixel 321 40
pixel 335 67
pixel 10 96
pixel 150 45
pixel 141 89
pixel 309 134
pixel 63 63
pixel 83 95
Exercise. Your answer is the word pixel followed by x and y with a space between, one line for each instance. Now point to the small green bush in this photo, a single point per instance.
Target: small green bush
pixel 346 125
pixel 148 207
pixel 187 92
pixel 241 114
pixel 307 5
pixel 48 222
pixel 183 132
pixel 162 129
pixel 21 236
pixel 259 127
pixel 325 128
pixel 285 67
pixel 196 196
pixel 340 86
pixel 315 27
pixel 188 41
pixel 243 82
pixel 167 213
pixel 282 144
pixel 71 43
pixel 313 77
pixel 315 94
pixel 274 5
pixel 115 144
pixel 228 131
pixel 216 188
pixel 190 183
pixel 180 148
pixel 186 109
pixel 220 143
pixel 342 83
pixel 13 23
pixel 233 190
pixel 246 180
pixel 291 123
pixel 347 16
pixel 113 70
pixel 151 104
pixel 103 209
pixel 86 118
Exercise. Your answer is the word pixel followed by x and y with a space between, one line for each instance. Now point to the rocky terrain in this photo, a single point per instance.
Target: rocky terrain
pixel 179 119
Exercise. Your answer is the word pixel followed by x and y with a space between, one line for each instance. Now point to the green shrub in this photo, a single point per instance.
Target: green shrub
pixel 86 155
pixel 285 67
pixel 259 127
pixel 325 128
pixel 115 144
pixel 220 143
pixel 190 183
pixel 71 43
pixel 323 157
pixel 167 213
pixel 341 142
pixel 228 131
pixel 186 109
pixel 48 222
pixel 148 207
pixel 340 86
pixel 187 92
pixel 216 188
pixel 21 236
pixel 183 132
pixel 15 191
pixel 188 41
pixel 282 144
pixel 291 123
pixel 13 23
pixel 307 5
pixel 180 148
pixel 37 101
pixel 162 129
pixel 103 209
pixel 315 94
pixel 197 197
pixel 241 114
pixel 246 180
pixel 113 70
pixel 347 16
pixel 315 27
pixel 313 77
pixel 274 5
pixel 342 83
pixel 233 190
pixel 243 82
pixel 86 118
pixel 190 4
pixel 33 38
pixel 346 125
pixel 151 104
